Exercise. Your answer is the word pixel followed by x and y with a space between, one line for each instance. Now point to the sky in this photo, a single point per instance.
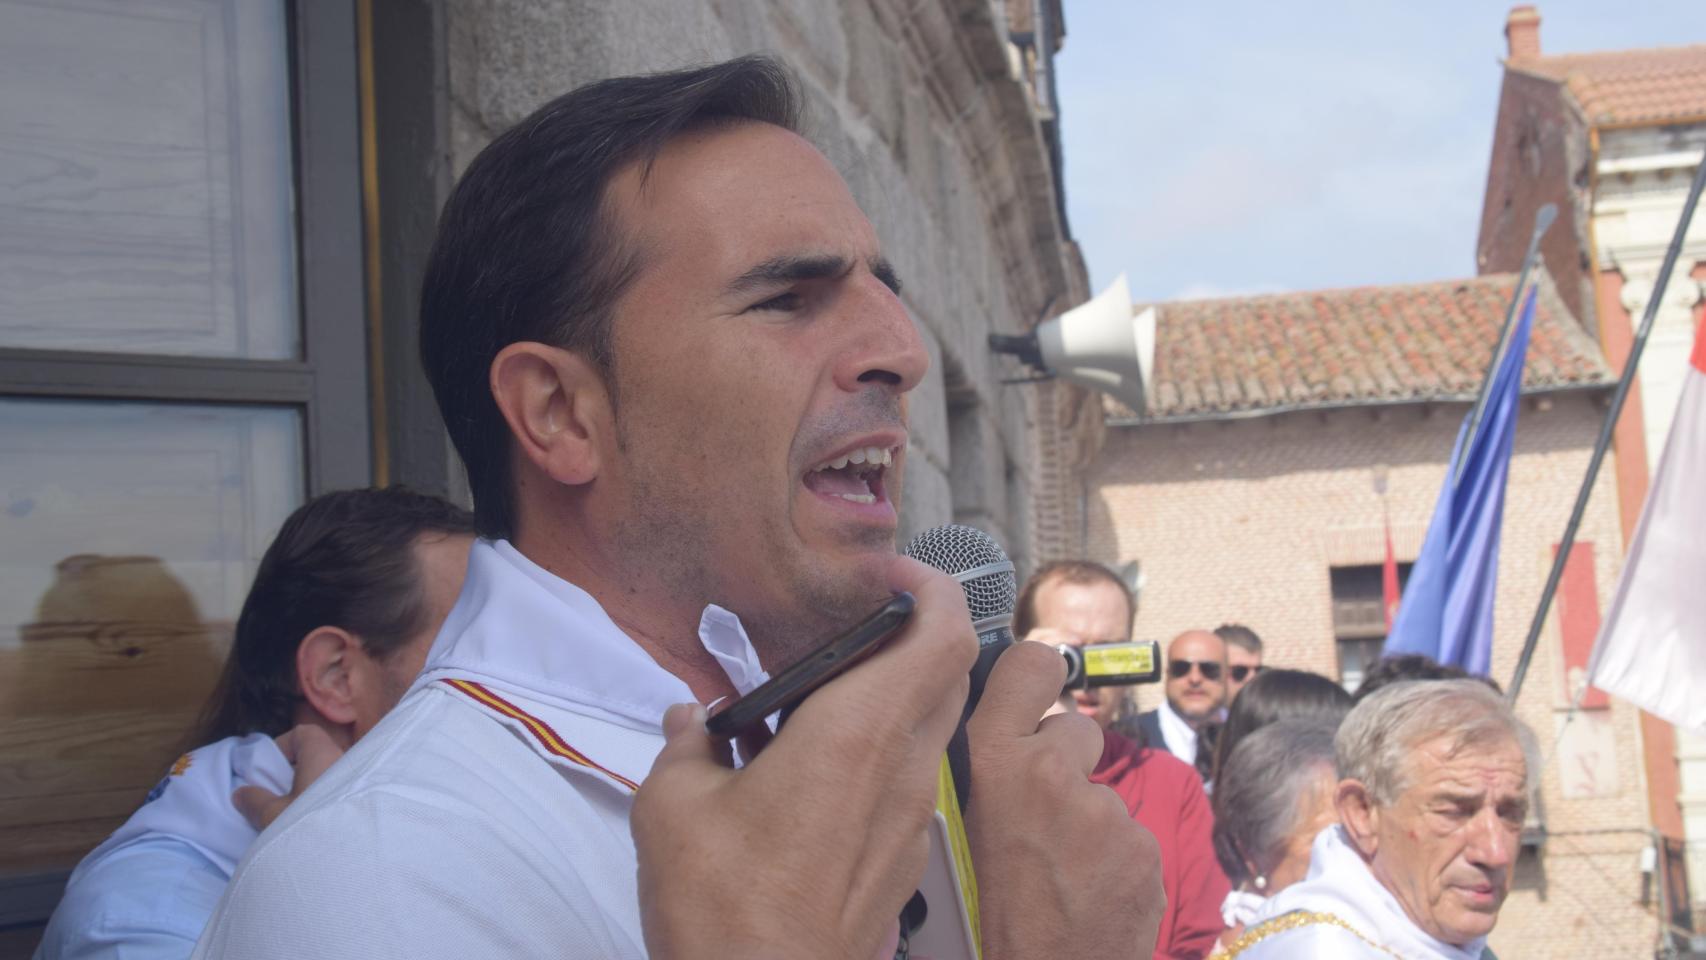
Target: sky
pixel 1239 147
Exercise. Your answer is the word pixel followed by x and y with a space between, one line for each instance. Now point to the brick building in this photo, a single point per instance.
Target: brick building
pixel 1613 138
pixel 1252 493
pixel 209 279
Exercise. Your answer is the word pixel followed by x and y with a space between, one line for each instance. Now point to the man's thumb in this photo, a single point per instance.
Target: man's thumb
pixel 258 805
pixel 685 739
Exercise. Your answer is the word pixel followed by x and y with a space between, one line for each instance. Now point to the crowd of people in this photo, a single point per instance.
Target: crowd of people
pixel 673 361
pixel 1295 819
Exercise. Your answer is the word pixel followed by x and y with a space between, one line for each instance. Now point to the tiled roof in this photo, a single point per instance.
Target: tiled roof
pixel 1335 348
pixel 1659 85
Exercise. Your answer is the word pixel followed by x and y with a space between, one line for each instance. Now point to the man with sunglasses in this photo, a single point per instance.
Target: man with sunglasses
pixel 1243 656
pixel 1196 694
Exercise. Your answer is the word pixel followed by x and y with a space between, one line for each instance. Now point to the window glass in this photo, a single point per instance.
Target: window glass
pixel 128 536
pixel 145 178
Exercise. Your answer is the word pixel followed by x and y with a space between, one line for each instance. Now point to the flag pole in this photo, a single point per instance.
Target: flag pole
pixel 1542 221
pixel 1605 431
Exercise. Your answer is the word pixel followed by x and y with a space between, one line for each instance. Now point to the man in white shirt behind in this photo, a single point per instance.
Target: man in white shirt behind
pixel 1196 697
pixel 672 356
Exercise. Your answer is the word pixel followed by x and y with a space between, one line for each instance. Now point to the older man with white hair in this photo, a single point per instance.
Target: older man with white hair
pixel 1433 789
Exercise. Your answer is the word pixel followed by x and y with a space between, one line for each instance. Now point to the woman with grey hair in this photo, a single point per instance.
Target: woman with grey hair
pixel 1274 794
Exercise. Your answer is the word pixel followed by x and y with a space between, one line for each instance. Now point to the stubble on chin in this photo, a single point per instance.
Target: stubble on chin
pixel 823 605
pixel 671 540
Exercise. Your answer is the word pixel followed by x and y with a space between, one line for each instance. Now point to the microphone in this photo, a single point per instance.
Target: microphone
pixel 986 575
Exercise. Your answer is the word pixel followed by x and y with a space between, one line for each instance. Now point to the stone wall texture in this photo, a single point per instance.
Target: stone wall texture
pixel 1243 520
pixel 919 108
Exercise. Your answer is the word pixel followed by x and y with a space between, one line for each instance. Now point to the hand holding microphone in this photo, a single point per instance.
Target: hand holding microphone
pixel 1050 849
pixel 813 847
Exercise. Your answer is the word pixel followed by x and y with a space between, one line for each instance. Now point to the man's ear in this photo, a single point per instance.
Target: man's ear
pixel 326 661
pixel 557 407
pixel 1359 815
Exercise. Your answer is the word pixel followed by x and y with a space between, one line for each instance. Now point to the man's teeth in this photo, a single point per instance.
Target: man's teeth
pixel 873 455
pixel 859 497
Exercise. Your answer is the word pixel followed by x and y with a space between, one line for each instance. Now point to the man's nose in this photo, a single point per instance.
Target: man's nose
pixel 1492 843
pixel 887 346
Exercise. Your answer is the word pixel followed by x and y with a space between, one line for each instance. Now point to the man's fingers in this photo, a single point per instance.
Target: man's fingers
pixel 257 805
pixel 313 753
pixel 1052 637
pixel 686 744
pixel 1026 679
pixel 288 742
pixel 914 671
pixel 1078 739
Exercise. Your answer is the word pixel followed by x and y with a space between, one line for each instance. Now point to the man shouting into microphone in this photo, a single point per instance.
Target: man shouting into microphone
pixel 671 355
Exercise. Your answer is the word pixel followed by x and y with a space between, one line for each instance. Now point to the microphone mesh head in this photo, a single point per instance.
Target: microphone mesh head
pixel 955 550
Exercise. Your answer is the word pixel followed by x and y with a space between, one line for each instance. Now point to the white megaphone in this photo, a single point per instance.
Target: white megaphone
pixel 1098 344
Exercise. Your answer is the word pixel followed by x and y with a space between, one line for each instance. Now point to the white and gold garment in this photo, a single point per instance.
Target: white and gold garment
pixel 1340 912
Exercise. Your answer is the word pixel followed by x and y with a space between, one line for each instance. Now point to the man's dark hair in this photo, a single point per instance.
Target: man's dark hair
pixel 528 248
pixel 1082 572
pixel 1238 635
pixel 1412 666
pixel 345 560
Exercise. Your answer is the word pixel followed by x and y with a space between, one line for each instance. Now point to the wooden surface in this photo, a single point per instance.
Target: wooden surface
pixel 89 721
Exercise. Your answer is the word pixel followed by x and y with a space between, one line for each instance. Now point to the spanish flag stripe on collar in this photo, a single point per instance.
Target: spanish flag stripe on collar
pixel 540 730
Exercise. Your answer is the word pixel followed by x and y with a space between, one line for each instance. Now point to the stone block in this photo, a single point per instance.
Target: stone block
pixel 927 406
pixel 925 499
pixel 530 51
pixel 978 460
pixel 876 74
pixel 811 38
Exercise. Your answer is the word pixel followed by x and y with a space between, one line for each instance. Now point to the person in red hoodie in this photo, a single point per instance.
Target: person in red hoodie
pixel 1078 602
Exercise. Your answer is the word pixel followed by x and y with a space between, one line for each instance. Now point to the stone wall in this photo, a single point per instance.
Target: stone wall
pixel 918 107
pixel 1243 520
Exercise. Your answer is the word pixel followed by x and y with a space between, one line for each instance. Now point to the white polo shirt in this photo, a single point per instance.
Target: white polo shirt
pixel 487 815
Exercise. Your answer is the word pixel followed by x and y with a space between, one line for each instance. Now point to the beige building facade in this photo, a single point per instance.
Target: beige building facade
pixel 1287 434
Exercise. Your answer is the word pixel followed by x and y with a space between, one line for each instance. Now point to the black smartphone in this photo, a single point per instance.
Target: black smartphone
pixel 786 689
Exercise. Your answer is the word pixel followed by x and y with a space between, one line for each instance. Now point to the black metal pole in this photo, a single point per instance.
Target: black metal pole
pixel 1605 431
pixel 1542 221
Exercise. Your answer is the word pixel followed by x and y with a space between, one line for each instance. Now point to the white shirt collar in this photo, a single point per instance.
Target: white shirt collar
pixel 1340 883
pixel 519 628
pixel 1181 737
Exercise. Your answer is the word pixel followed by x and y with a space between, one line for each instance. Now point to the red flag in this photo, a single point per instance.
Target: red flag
pixel 1389 579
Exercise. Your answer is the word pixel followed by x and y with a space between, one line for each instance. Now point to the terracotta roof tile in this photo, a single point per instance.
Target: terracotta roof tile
pixel 1334 348
pixel 1659 85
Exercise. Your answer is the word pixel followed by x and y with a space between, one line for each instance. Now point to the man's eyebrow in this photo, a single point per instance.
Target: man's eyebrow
pixel 786 269
pixel 790 268
pixel 1456 796
pixel 884 271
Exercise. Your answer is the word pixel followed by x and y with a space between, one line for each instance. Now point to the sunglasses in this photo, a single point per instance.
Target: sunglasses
pixel 1180 669
pixel 1241 671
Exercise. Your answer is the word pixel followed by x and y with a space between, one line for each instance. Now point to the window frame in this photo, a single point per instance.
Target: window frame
pixel 328 386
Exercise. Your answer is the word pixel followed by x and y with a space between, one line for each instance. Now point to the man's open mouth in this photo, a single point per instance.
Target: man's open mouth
pixel 855 476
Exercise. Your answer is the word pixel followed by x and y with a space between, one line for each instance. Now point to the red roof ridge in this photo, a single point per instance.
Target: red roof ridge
pixel 1552 59
pixel 1653 85
pixel 1330 292
pixel 1393 343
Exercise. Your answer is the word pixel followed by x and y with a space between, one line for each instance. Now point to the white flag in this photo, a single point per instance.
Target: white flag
pixel 1651 649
